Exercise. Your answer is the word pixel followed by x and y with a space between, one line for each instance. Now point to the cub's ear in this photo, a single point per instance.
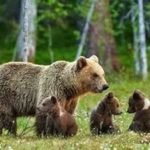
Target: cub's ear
pixel 53 99
pixel 137 95
pixel 110 95
pixel 94 58
pixel 81 63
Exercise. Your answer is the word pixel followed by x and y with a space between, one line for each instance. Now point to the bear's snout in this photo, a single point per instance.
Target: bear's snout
pixel 105 87
pixel 100 89
pixel 40 109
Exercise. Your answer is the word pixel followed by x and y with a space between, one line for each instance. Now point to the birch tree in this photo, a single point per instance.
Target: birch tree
pixel 86 29
pixel 135 38
pixel 25 47
pixel 142 41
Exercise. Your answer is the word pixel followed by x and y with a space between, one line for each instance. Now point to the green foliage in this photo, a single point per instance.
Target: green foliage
pixel 57 30
pixel 59 24
pixel 121 16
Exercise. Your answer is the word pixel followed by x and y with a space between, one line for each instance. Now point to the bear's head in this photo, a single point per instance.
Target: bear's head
pixel 112 104
pixel 90 74
pixel 137 102
pixel 49 105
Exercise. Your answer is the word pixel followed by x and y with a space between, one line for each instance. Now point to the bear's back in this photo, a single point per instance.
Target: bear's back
pixel 18 86
pixel 11 69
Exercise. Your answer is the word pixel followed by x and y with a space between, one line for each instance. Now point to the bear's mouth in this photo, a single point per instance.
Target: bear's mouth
pixel 96 90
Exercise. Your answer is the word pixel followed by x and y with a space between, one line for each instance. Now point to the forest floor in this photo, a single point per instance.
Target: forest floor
pixel 123 88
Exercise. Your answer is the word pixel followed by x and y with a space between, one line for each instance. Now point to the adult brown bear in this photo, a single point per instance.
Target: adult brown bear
pixel 24 85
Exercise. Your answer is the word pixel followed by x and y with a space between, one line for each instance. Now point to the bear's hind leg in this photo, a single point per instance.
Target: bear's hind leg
pixel 2 122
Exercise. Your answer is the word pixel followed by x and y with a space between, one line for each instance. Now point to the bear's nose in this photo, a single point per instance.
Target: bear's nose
pixel 105 86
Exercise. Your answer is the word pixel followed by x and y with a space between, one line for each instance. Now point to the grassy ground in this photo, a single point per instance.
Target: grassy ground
pixel 123 88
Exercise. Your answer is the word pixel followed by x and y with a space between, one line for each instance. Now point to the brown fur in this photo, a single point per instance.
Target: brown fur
pixel 23 86
pixel 8 120
pixel 101 117
pixel 141 120
pixel 57 121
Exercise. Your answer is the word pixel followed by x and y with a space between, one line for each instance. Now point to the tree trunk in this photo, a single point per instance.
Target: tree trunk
pixel 25 48
pixel 86 29
pixel 100 40
pixel 142 41
pixel 135 39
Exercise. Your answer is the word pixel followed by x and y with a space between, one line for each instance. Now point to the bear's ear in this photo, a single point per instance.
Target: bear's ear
pixel 94 58
pixel 137 95
pixel 53 100
pixel 81 63
pixel 110 95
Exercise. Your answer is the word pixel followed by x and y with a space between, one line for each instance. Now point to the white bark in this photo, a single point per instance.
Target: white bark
pixel 86 28
pixel 25 47
pixel 51 53
pixel 142 40
pixel 32 28
pixel 135 40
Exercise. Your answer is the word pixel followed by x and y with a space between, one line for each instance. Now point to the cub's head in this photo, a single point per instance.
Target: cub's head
pixel 49 105
pixel 112 104
pixel 90 75
pixel 137 102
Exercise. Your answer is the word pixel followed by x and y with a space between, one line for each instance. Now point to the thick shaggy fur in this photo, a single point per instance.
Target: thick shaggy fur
pixel 8 120
pixel 139 105
pixel 24 85
pixel 52 119
pixel 101 117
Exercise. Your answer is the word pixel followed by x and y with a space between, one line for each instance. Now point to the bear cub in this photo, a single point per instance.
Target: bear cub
pixel 139 105
pixel 53 119
pixel 101 120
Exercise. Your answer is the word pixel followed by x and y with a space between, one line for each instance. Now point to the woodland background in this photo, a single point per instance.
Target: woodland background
pixel 117 31
pixel 55 29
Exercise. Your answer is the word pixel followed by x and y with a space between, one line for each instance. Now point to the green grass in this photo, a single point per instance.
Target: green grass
pixel 122 87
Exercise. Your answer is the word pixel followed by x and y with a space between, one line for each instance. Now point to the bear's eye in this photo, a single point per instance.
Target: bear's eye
pixel 95 75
